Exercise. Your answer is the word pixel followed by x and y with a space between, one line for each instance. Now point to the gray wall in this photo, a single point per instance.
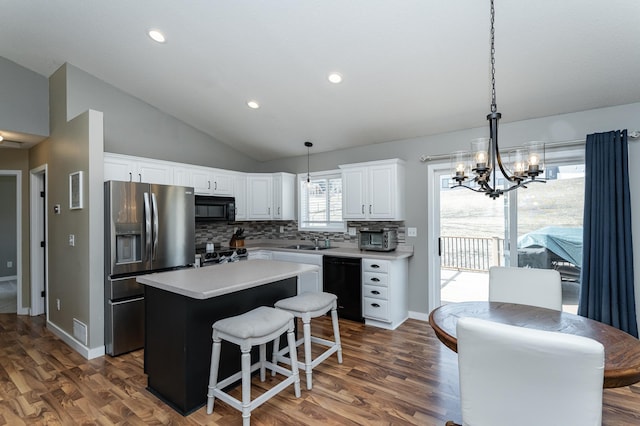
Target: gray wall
pixel 75 272
pixel 24 100
pixel 134 127
pixel 556 128
pixel 8 225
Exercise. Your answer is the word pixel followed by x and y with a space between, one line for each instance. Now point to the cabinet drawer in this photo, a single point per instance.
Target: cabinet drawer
pixel 375 292
pixel 376 308
pixel 373 265
pixel 375 278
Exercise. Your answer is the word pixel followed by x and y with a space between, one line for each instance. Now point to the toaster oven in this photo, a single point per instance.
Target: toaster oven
pixel 378 240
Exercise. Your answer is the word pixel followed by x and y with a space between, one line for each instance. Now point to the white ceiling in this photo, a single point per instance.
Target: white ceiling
pixel 410 67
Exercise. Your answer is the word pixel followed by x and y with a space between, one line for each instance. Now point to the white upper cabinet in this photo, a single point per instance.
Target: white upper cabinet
pixel 240 192
pixel 374 190
pixel 207 181
pixel 132 169
pixel 259 196
pixel 284 196
pixel 270 196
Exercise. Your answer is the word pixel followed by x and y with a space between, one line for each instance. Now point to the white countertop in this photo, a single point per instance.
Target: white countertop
pixel 279 245
pixel 212 281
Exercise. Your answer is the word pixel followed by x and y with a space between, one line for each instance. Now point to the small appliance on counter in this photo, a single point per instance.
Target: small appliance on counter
pixel 220 254
pixel 378 240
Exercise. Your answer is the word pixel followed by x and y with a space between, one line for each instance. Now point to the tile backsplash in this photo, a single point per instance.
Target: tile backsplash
pixel 221 232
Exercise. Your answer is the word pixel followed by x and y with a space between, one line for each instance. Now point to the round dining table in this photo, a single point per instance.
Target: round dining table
pixel 622 351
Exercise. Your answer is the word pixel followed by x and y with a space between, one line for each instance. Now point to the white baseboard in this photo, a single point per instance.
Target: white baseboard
pixel 419 316
pixel 88 353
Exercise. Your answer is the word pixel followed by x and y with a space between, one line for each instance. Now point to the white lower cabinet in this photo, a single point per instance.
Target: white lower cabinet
pixel 309 281
pixel 385 292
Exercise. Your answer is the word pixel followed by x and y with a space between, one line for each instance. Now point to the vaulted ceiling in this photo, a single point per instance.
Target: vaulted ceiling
pixel 410 68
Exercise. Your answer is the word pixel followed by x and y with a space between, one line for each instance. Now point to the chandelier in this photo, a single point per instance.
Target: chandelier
pixel 525 163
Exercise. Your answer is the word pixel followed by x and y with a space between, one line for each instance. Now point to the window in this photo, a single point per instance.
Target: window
pixel 321 202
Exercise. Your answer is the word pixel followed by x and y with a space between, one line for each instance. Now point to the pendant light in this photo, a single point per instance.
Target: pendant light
pixel 526 163
pixel 308 145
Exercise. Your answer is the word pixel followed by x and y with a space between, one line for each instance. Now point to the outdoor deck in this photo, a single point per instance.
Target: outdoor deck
pixel 460 286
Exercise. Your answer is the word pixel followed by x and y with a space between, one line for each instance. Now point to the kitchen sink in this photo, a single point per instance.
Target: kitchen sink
pixel 305 247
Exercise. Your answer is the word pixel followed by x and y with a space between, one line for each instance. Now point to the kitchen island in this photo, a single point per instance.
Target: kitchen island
pixel 182 305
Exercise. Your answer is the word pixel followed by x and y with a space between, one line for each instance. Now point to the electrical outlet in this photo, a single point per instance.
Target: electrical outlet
pixel 281 229
pixel 58 304
pixel 72 240
pixel 9 264
pixel 412 232
pixel 352 230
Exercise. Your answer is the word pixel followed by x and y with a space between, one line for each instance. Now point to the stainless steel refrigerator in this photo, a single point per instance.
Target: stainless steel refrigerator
pixel 148 228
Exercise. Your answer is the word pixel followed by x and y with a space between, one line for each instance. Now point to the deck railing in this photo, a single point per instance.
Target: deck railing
pixel 470 254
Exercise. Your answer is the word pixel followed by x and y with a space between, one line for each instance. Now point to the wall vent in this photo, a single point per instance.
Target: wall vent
pixel 80 331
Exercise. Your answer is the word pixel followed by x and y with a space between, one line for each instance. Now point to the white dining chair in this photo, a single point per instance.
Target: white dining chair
pixel 527 286
pixel 512 375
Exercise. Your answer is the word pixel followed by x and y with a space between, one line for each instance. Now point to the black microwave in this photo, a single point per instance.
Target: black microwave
pixel 215 209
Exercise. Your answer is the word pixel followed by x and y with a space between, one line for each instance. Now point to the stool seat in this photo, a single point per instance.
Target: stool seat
pixel 259 322
pixel 256 327
pixel 307 306
pixel 307 302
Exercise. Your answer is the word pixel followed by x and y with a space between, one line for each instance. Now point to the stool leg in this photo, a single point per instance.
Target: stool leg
pixel 246 385
pixel 274 357
pixel 263 358
pixel 291 340
pixel 306 327
pixel 213 373
pixel 336 332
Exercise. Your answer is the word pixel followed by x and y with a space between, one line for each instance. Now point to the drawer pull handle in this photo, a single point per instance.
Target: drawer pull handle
pixel 375 292
pixel 375 280
pixel 375 266
pixel 375 305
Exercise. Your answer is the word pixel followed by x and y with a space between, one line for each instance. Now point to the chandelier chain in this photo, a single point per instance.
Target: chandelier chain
pixel 494 107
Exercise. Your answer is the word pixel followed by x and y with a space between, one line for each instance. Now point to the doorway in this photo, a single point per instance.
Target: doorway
pixel 11 246
pixel 38 242
pixel 471 232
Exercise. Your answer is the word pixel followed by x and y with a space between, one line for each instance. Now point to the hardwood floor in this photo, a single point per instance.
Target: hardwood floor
pixel 401 377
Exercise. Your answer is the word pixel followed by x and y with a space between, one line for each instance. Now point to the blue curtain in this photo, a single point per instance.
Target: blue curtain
pixel 606 292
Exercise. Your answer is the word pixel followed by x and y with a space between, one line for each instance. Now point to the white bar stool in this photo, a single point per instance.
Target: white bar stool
pixel 307 306
pixel 256 327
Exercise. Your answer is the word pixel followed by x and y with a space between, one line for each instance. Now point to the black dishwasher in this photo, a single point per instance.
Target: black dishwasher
pixel 342 277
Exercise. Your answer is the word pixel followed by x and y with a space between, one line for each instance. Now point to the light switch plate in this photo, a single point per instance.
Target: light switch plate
pixel 412 232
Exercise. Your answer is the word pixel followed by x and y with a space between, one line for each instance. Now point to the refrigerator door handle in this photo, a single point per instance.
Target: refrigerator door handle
pixel 122 302
pixel 147 221
pixel 155 226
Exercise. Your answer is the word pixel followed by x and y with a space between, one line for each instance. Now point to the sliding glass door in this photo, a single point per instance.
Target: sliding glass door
pixel 539 226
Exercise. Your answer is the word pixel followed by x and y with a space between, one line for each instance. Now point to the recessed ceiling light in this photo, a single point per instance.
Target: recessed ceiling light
pixel 335 78
pixel 156 36
pixel 253 104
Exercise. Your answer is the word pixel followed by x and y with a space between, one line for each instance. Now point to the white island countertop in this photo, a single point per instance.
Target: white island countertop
pixel 216 280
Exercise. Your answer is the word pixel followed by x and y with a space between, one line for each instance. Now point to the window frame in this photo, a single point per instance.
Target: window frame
pixel 331 226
